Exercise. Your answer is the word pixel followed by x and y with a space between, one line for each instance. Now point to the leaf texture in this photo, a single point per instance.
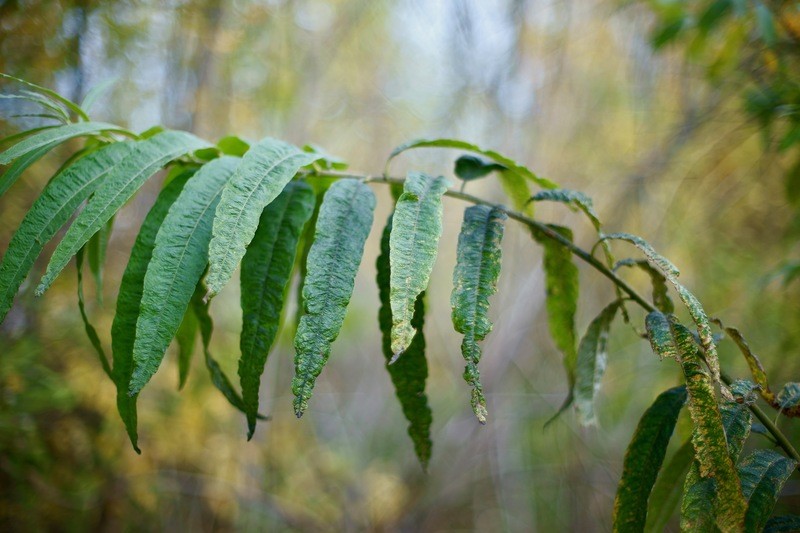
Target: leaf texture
pixel 53 137
pixel 179 260
pixel 410 372
pixel 96 250
pixel 119 186
pixel 123 329
pixel 266 271
pixel 62 196
pixel 763 474
pixel 413 245
pixel 783 523
pixel 571 198
pixel 696 310
pixel 344 222
pixel 474 282
pixel 643 459
pixel 591 363
pixel 263 173
pixel 15 169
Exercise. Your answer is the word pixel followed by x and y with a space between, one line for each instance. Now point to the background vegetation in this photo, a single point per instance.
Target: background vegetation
pixel 676 127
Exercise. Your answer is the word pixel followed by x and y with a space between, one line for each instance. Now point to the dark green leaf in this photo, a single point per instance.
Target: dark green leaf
pixel 123 329
pixel 266 270
pixel 186 337
pixel 90 331
pixel 763 474
pixel 409 373
pixel 469 167
pixel 474 282
pixel 661 298
pixel 50 212
pixel 643 459
pixel 118 187
pixel 666 493
pixel 263 173
pixel 344 222
pixel 413 246
pixel 179 259
pixel 783 524
pixel 96 254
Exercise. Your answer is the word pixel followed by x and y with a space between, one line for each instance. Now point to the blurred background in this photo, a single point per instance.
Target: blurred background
pixel 679 118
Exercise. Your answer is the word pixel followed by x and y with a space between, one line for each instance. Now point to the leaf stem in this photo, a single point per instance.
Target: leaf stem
pixel 576 250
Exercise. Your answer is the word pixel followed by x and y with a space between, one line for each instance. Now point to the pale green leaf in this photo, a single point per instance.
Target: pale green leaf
pixel 413 246
pixel 571 198
pixel 643 459
pixel 261 176
pixel 517 191
pixel 179 260
pixel 118 187
pixel 50 94
pixel 344 222
pixel 591 363
pixel 266 271
pixel 53 137
pixel 123 329
pixel 789 396
pixel 474 282
pixel 15 169
pixel 62 196
pixel 409 373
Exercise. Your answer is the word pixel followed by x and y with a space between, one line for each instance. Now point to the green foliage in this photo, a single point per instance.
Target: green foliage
pixel 413 245
pixel 409 373
pixel 474 282
pixel 643 459
pixel 344 222
pixel 231 203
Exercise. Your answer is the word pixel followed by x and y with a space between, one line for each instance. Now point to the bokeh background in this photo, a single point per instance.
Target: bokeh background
pixel 675 122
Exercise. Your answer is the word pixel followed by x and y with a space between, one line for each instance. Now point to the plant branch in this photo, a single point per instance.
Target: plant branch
pixel 578 252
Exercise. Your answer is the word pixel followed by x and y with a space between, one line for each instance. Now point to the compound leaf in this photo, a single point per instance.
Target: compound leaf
pixel 474 282
pixel 49 213
pixel 266 270
pixel 409 373
pixel 413 246
pixel 344 222
pixel 120 185
pixel 265 170
pixel 643 459
pixel 591 362
pixel 179 260
pixel 123 329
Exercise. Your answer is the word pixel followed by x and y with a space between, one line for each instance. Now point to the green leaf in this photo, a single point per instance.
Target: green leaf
pixel 661 298
pixel 263 173
pixel 789 396
pixel 25 133
pixel 326 161
pixel 561 285
pixel 659 332
pixel 474 282
pixel 218 377
pixel 50 94
pixel 714 14
pixel 186 337
pixel 266 271
pixel 233 145
pixel 691 302
pixel 666 493
pixel 344 222
pixel 517 191
pixel 118 187
pixel 62 196
pixel 591 363
pixel 571 198
pixel 320 187
pixel 763 474
pixel 667 33
pixel 708 437
pixel 123 329
pixel 96 253
pixel 753 362
pixel 15 170
pixel 90 331
pixel 53 137
pixel 511 165
pixel 469 167
pixel 643 459
pixel 96 92
pixel 409 373
pixel 785 523
pixel 179 260
pixel 413 246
